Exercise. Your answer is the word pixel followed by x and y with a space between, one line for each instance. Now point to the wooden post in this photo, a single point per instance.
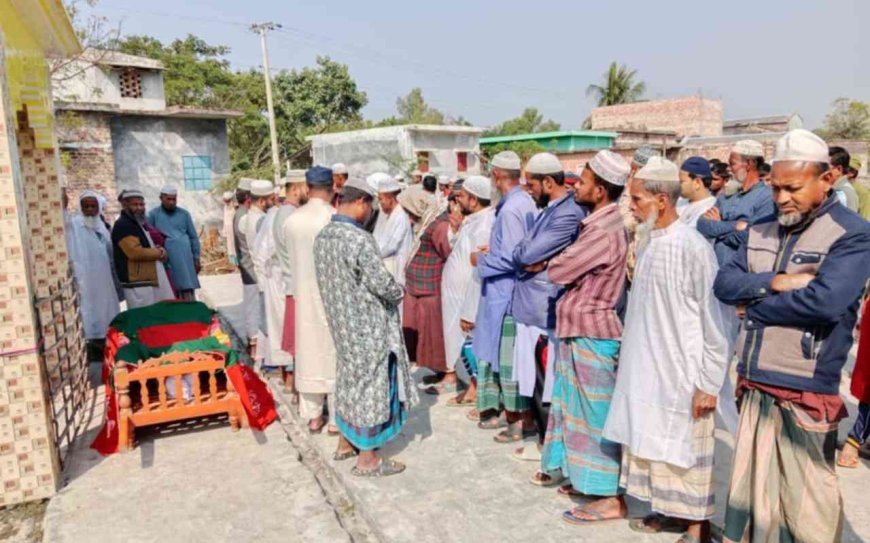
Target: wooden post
pixel 125 411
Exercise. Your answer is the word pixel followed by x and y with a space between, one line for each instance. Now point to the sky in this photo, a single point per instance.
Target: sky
pixel 488 60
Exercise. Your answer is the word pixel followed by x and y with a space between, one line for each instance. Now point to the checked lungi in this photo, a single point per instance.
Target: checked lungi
pixel 495 389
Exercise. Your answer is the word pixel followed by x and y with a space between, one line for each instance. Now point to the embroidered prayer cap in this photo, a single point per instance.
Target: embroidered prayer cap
pixel 339 168
pixel 90 194
pixel 643 154
pixel 750 148
pixel 611 167
pixel 415 200
pixel 227 196
pixel 659 169
pixel 319 176
pixel 293 179
pixel 478 185
pixel 361 185
pixel 543 164
pixel 800 145
pixel 245 183
pixel 444 180
pixel 375 180
pixel 506 160
pixel 262 188
pixel 698 166
pixel 169 190
pixel 131 193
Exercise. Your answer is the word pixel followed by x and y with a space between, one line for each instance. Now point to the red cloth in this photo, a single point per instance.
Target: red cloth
pixel 861 376
pixel 424 332
pixel 821 407
pixel 288 337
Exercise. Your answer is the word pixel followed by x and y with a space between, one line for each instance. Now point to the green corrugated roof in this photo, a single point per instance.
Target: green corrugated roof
pixel 548 136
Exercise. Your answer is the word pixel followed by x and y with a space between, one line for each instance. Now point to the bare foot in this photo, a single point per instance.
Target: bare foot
pixel 848 456
pixel 597 511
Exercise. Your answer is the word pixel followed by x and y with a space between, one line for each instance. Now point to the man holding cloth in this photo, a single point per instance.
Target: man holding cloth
pixel 246 264
pixel 182 242
pixel 796 282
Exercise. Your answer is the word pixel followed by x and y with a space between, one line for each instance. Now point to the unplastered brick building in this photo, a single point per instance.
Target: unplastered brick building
pixel 684 116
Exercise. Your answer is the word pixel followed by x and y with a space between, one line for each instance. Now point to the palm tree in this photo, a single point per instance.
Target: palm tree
pixel 619 87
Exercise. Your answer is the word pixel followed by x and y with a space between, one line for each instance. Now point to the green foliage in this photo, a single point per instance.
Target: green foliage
pixel 413 109
pixel 618 86
pixel 848 120
pixel 525 149
pixel 530 121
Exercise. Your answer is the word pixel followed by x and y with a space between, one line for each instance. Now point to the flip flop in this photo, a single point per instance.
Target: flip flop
pixel 456 402
pixel 511 435
pixel 338 457
pixel 551 482
pixel 385 469
pixel 529 453
pixel 492 423
pixel 433 379
pixel 316 430
pixel 688 538
pixel 571 518
pixel 569 492
pixel 448 388
pixel 665 524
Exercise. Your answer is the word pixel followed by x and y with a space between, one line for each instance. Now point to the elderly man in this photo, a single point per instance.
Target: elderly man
pixel 91 256
pixel 535 297
pixel 839 159
pixel 695 181
pixel 339 178
pixel 392 232
pixel 361 298
pixel 724 223
pixel 182 242
pixel 593 271
pixel 138 261
pixel 672 364
pixel 262 198
pixel 227 229
pixel 460 285
pixel 314 373
pixel 796 282
pixel 296 195
pixel 246 264
pixel 495 329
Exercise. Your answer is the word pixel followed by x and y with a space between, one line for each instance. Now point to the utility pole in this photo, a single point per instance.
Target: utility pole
pixel 262 28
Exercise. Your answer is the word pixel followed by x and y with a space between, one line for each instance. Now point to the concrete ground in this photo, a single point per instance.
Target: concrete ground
pixel 462 486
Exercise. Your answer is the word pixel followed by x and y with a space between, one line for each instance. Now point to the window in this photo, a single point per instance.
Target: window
pixel 130 82
pixel 197 172
pixel 461 161
pixel 423 161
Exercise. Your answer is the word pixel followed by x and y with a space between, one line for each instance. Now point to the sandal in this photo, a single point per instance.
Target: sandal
pixel 529 453
pixel 338 457
pixel 433 379
pixel 571 516
pixel 317 428
pixel 492 423
pixel 460 401
pixel 443 388
pixel 332 430
pixel 384 469
pixel 847 461
pixel 512 435
pixel 569 492
pixel 546 480
pixel 688 538
pixel 664 524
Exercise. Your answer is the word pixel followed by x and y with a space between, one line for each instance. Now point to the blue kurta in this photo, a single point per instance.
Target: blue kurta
pixel 182 244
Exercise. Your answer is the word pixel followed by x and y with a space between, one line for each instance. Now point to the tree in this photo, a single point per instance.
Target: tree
pixel 619 87
pixel 96 36
pixel 413 109
pixel 530 121
pixel 525 149
pixel 848 120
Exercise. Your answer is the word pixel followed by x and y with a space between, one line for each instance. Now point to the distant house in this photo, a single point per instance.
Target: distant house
pixel 401 149
pixel 573 147
pixel 754 125
pixel 116 132
pixel 685 116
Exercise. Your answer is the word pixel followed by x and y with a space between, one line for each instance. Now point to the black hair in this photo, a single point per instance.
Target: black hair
pixel 839 157
pixel 558 177
pixel 350 195
pixel 714 161
pixel 325 188
pixel 483 201
pixel 242 195
pixel 764 169
pixel 430 183
pixel 707 180
pixel 721 169
pixel 613 191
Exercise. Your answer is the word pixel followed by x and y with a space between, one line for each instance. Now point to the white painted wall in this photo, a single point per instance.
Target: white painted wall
pixel 90 83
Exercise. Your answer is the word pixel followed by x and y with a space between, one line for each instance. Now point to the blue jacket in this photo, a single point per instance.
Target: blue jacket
pixel 535 297
pixel 799 339
pixel 751 206
pixel 514 217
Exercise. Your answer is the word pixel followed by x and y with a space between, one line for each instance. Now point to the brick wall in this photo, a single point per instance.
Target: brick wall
pixel 85 140
pixel 687 116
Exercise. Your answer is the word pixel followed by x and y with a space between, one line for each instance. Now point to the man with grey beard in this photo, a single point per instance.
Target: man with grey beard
pixel 138 261
pixel 796 282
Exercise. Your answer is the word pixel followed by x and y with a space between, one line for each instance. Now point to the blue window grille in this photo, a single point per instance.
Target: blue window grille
pixel 197 172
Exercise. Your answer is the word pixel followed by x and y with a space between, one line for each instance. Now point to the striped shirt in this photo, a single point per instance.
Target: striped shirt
pixel 593 271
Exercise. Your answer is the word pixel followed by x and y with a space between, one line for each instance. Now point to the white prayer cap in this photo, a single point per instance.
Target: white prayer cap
pixel 228 195
pixel 611 167
pixel 361 185
pixel 399 177
pixel 443 180
pixel 801 145
pixel 338 167
pixel 131 193
pixel 375 180
pixel 388 184
pixel 277 191
pixel 543 164
pixel 478 185
pixel 169 190
pixel 261 187
pixel 748 148
pixel 506 160
pixel 659 169
pixel 89 194
pixel 245 183
pixel 294 179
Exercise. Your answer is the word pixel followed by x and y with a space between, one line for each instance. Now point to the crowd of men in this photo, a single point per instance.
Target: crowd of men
pixel 598 312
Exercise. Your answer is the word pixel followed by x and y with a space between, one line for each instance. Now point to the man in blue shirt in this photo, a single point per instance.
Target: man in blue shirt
pixel 495 330
pixel 535 297
pixel 725 223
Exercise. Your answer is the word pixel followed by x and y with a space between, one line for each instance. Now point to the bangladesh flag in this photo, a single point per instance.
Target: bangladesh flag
pixel 176 326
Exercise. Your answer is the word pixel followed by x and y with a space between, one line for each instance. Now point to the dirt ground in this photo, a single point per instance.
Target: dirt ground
pixel 22 523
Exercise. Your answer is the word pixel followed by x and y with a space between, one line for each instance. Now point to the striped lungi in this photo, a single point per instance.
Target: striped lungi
pixel 783 483
pixel 585 377
pixel 684 493
pixel 495 389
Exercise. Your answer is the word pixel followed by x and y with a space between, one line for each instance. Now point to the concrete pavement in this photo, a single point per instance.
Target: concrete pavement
pixel 462 486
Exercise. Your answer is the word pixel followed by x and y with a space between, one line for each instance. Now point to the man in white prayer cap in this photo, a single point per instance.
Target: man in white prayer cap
pixel 182 242
pixel 392 232
pixel 339 178
pixel 673 362
pixel 227 230
pixel 262 199
pixel 796 282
